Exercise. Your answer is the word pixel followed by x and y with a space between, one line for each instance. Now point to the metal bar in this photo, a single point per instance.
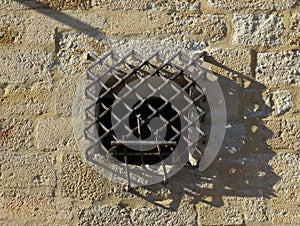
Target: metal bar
pixel 162 164
pixel 127 169
pixel 143 142
pixel 138 118
pixel 138 154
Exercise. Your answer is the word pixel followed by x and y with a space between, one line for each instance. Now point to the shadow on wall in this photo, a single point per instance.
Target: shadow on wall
pixel 242 169
pixel 49 10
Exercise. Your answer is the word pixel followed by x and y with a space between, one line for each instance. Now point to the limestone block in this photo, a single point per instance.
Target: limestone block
pixel 228 215
pixel 12 29
pixel 258 30
pixel 231 63
pixel 278 68
pixel 285 215
pixel 25 65
pixel 35 209
pixel 294 35
pixel 287 165
pixel 26 172
pixel 57 4
pixel 16 135
pixel 249 176
pixel 64 96
pixel 295 99
pixel 72 51
pixel 55 134
pixel 79 181
pixel 121 5
pixel 209 28
pixel 67 5
pixel 31 100
pixel 176 5
pixel 137 22
pixel 255 209
pixel 108 215
pixel 9 5
pixel 285 134
pixel 41 28
pixel 257 101
pixel 252 4
pixel 268 135
pixel 280 101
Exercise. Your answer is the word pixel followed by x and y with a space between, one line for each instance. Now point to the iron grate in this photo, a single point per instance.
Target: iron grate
pixel 131 92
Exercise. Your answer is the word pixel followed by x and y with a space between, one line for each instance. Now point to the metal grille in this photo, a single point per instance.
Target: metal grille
pixel 110 75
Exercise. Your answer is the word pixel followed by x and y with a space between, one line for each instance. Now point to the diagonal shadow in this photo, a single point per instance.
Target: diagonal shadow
pixel 61 17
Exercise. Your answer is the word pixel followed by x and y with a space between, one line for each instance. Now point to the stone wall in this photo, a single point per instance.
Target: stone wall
pixel 254 50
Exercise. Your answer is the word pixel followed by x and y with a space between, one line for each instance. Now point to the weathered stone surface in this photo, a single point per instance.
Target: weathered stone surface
pixel 79 181
pixel 231 63
pixel 26 172
pixel 249 176
pixel 209 28
pixel 55 134
pixel 34 100
pixel 38 210
pixel 296 102
pixel 41 28
pixel 268 103
pixel 285 134
pixel 185 215
pixel 255 209
pixel 64 96
pixel 209 215
pixel 294 35
pixel 287 191
pixel 12 29
pixel 280 101
pixel 258 30
pixel 252 4
pixel 9 5
pixel 278 68
pixel 121 5
pixel 16 135
pixel 96 20
pixel 257 101
pixel 108 215
pixel 24 65
pixel 184 5
pixel 105 215
pixel 177 5
pixel 72 52
pixel 285 215
pixel 137 22
pixel 287 165
pixel 272 134
pixel 56 4
pixel 67 5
